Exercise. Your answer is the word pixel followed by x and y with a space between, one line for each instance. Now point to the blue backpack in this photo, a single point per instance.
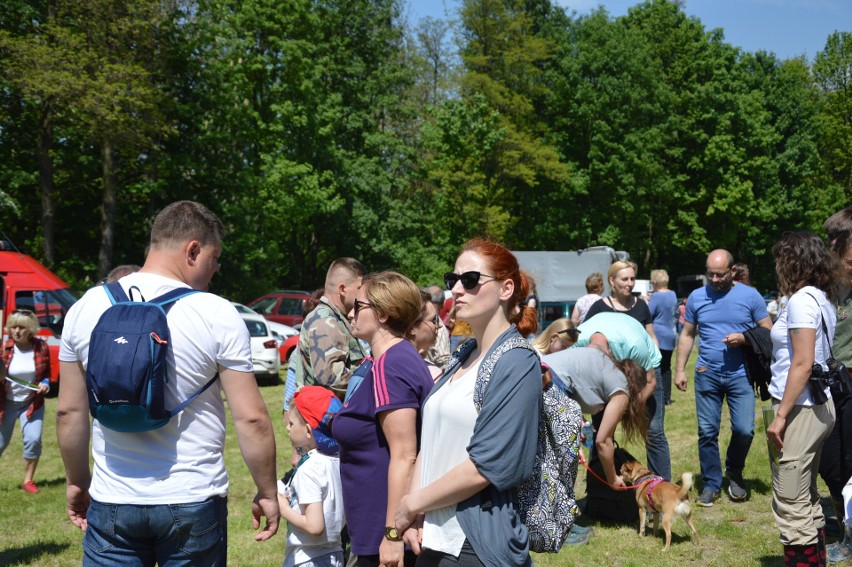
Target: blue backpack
pixel 127 372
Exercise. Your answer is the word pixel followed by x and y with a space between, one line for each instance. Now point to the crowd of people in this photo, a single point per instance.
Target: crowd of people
pixel 400 456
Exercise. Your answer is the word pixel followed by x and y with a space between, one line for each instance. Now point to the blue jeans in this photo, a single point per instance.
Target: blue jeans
pixel 657 446
pixel 711 389
pixel 169 534
pixel 30 427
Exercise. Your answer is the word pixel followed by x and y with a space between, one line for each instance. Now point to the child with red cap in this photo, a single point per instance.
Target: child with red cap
pixel 310 499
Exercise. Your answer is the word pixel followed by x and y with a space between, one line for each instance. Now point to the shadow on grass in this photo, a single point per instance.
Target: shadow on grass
pixel 771 561
pixel 759 486
pixel 30 554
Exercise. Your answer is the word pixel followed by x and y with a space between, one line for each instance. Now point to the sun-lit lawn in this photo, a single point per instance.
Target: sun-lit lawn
pixel 35 530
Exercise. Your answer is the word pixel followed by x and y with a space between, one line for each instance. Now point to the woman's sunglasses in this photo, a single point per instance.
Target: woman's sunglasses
pixel 359 305
pixel 469 280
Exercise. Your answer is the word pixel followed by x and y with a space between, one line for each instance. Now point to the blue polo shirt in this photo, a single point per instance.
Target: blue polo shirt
pixel 719 314
pixel 626 336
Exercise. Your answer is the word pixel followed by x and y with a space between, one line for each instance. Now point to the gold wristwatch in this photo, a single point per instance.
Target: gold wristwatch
pixel 392 534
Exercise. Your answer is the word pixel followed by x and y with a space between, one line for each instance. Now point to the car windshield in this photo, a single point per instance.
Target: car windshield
pixel 265 305
pixel 290 306
pixel 256 328
pixel 50 307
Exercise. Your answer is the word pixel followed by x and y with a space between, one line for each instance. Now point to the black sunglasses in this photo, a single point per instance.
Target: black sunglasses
pixel 359 305
pixel 469 280
pixel 22 312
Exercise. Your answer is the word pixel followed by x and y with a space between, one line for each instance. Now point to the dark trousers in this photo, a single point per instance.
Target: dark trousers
pixel 835 467
pixel 666 373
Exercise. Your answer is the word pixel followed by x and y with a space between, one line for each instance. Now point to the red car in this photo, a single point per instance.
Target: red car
pixel 282 306
pixel 287 348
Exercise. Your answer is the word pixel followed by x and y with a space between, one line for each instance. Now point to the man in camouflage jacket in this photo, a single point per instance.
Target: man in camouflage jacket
pixel 328 353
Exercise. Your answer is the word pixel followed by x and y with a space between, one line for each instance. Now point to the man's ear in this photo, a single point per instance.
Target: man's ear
pixel 193 249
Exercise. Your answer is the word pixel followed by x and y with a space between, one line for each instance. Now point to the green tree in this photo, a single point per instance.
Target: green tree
pixel 832 72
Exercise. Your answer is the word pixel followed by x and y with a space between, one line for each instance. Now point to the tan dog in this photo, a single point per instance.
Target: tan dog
pixel 664 499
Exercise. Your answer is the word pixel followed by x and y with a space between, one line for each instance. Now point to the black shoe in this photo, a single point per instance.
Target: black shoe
pixel 736 488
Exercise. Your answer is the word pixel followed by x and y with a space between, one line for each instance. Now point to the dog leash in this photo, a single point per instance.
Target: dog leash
pixel 582 457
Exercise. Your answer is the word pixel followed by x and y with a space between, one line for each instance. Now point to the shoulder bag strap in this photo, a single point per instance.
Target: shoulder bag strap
pixel 824 326
pixel 487 367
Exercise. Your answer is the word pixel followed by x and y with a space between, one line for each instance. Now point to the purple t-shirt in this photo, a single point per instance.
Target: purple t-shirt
pixel 399 379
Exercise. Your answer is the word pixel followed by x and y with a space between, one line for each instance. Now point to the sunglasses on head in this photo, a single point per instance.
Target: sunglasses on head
pixel 22 312
pixel 359 305
pixel 469 280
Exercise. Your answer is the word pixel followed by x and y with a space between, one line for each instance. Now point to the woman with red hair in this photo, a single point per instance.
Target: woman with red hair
pixel 464 493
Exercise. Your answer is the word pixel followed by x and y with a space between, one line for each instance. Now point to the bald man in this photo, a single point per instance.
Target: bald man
pixel 718 314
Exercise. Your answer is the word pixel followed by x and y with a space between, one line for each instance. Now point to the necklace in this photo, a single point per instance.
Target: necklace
pixel 613 300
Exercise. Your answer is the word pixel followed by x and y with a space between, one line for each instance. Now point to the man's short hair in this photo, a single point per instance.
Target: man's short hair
pixel 838 223
pixel 351 265
pixel 183 221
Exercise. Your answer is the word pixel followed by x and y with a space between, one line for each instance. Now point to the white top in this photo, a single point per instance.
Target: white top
pixel 182 461
pixel 802 312
pixel 316 480
pixel 448 419
pixel 21 367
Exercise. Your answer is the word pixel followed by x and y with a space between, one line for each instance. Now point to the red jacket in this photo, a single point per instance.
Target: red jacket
pixel 41 354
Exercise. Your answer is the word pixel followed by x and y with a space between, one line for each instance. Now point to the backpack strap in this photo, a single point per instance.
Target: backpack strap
pixel 487 367
pixel 168 299
pixel 188 401
pixel 115 293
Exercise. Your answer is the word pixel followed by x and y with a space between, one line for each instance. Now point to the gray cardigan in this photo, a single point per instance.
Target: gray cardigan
pixel 503 449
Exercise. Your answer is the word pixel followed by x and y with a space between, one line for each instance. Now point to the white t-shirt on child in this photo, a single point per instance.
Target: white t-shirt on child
pixel 316 480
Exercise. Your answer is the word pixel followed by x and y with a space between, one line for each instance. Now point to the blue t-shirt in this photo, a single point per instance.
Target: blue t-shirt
pixel 663 306
pixel 626 336
pixel 398 379
pixel 719 314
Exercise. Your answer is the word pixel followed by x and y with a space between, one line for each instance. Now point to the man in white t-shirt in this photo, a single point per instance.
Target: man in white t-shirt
pixel 160 496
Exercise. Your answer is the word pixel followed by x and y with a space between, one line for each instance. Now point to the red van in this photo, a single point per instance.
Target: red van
pixel 26 284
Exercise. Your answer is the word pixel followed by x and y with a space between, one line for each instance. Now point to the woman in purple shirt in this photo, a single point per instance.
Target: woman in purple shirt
pixel 378 428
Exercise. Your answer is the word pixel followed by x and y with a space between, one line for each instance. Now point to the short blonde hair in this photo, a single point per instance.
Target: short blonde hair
pixel 23 318
pixel 660 277
pixel 396 297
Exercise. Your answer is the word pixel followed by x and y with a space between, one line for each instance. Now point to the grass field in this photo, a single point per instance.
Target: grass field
pixel 36 531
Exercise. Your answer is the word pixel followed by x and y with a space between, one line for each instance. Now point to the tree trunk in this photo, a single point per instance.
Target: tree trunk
pixel 108 209
pixel 45 174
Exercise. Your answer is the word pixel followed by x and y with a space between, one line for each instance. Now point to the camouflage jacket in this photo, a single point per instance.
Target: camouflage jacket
pixel 328 353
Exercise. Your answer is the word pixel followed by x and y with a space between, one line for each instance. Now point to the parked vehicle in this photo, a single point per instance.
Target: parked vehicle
pixel 27 284
pixel 688 284
pixel 264 348
pixel 560 277
pixel 287 336
pixel 285 331
pixel 282 306
pixel 287 348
